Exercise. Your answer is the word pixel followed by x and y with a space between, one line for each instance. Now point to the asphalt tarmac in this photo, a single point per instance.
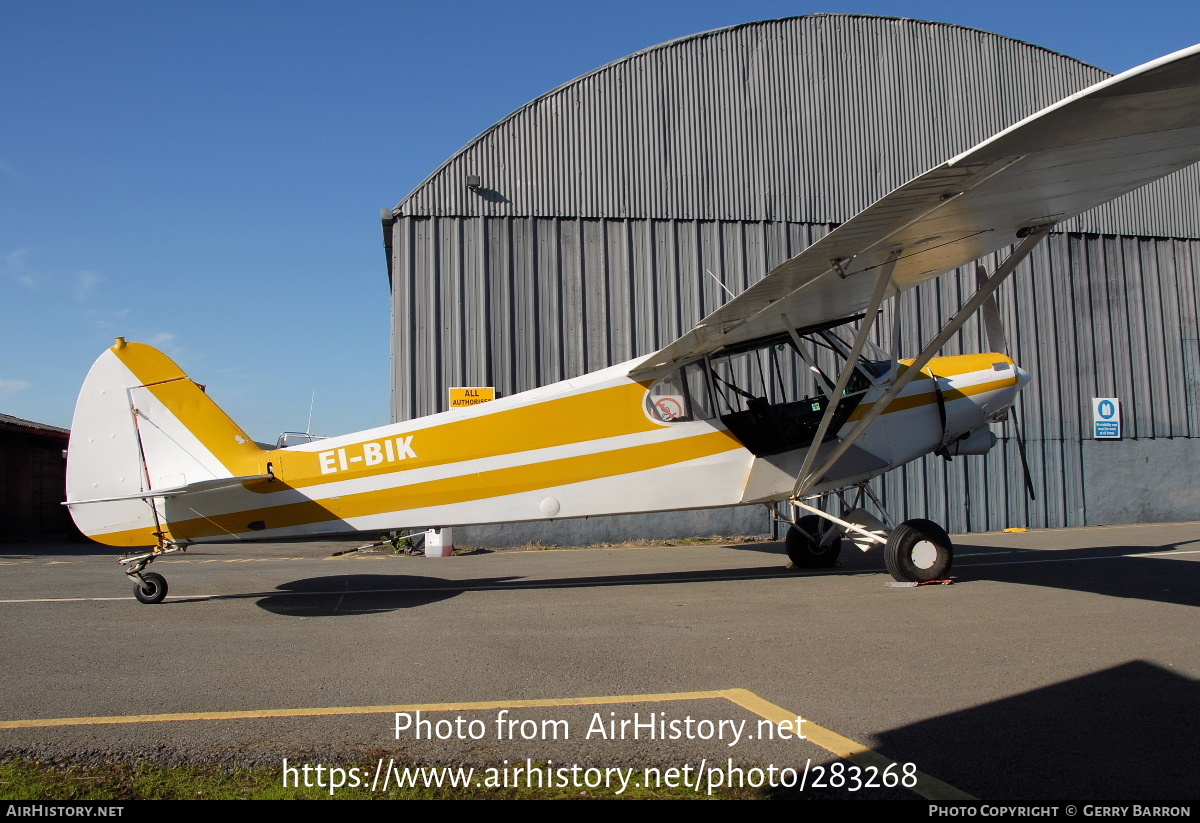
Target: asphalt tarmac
pixel 1061 666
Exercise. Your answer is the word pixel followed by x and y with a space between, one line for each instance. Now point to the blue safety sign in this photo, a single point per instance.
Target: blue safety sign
pixel 1106 418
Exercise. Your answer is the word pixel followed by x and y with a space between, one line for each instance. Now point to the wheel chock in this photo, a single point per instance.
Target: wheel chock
pixel 896 584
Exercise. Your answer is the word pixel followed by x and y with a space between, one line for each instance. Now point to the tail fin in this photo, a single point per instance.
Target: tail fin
pixel 140 425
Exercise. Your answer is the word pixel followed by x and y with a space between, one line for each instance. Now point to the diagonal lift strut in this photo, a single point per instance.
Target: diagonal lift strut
pixel 806 482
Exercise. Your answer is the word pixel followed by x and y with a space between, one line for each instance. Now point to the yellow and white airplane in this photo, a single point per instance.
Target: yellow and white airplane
pixel 778 397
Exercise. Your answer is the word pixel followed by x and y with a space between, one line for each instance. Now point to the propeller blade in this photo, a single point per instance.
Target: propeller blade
pixel 993 329
pixel 1012 416
pixel 990 313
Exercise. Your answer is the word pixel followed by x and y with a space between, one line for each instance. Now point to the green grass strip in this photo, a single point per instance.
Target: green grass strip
pixel 23 780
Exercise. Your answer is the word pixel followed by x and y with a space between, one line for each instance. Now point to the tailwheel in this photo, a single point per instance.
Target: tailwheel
pixel 810 544
pixel 150 587
pixel 918 551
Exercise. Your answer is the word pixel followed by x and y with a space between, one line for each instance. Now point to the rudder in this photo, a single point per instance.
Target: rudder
pixel 142 424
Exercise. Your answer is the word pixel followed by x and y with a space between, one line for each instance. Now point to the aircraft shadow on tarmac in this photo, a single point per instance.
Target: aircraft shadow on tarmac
pixel 1101 570
pixel 351 594
pixel 1125 733
pixel 341 595
pixel 1106 570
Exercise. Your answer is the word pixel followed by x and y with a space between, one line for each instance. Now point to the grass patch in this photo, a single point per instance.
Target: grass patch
pixel 24 780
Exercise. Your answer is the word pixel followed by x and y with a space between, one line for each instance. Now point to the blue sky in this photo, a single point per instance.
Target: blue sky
pixel 208 177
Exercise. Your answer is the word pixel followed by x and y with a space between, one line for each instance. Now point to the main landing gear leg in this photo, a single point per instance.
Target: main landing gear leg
pixel 150 587
pixel 915 551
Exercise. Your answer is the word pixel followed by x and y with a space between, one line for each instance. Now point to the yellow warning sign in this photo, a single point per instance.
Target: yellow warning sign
pixel 461 396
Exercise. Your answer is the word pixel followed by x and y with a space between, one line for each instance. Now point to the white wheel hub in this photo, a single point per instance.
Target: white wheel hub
pixel 924 555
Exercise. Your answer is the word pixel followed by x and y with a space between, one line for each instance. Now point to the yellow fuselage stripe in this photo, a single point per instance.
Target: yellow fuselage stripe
pixel 460 489
pixel 913 401
pixel 563 421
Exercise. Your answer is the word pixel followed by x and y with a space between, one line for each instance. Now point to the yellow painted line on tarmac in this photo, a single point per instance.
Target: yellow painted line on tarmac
pixel 345 710
pixel 928 787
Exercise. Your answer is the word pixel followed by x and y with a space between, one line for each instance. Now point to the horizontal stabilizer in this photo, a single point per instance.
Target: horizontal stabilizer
pixel 175 491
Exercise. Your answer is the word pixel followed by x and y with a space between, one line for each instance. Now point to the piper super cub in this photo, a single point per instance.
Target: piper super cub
pixel 778 397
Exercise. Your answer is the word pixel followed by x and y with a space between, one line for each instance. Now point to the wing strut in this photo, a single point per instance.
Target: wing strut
pixel 882 282
pixel 1031 239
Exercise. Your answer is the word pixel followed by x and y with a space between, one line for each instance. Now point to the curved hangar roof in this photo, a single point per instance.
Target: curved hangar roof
pixel 807 120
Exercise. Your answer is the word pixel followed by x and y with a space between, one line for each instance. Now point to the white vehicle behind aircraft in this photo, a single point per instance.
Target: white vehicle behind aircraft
pixel 777 397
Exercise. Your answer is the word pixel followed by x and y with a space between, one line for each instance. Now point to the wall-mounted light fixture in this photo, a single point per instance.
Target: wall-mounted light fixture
pixel 473 182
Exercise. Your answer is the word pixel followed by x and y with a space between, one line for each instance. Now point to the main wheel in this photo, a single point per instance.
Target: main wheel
pixel 807 553
pixel 918 551
pixel 151 589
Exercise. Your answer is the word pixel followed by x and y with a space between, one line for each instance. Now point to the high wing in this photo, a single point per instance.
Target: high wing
pixel 1083 151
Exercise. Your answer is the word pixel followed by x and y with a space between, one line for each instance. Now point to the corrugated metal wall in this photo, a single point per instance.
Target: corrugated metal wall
pixel 518 303
pixel 521 302
pixel 1089 316
pixel 606 203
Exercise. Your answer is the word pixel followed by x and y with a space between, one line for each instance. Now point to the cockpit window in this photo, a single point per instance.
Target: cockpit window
pixel 681 395
pixel 772 393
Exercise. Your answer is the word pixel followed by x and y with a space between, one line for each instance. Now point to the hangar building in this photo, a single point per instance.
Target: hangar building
pixel 590 226
pixel 32 480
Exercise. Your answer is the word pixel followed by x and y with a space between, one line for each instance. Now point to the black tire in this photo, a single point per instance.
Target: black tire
pixel 151 589
pixel 918 551
pixel 809 554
